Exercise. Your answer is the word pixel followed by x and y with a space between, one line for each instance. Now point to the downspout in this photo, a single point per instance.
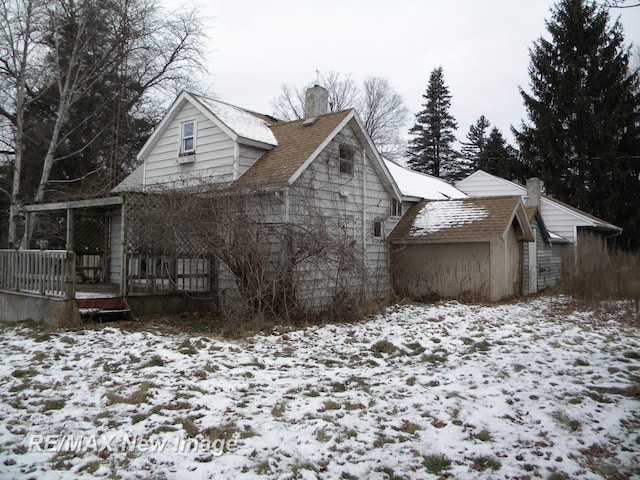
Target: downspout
pixel 236 161
pixel 364 201
pixel 287 205
pixel 606 243
pixel 506 259
pixel 364 218
pixel 124 271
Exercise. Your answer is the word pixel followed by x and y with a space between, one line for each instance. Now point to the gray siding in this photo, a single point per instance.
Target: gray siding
pixel 549 263
pixel 348 205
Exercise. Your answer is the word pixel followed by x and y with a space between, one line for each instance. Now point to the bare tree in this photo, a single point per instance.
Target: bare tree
pixel 384 115
pixel 20 66
pixel 380 106
pixel 343 94
pixel 63 49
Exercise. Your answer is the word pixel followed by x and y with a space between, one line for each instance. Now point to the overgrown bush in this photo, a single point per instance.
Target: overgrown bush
pixel 599 274
pixel 273 260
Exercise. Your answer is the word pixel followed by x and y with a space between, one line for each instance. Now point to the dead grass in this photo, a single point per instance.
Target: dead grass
pixel 598 276
pixel 240 323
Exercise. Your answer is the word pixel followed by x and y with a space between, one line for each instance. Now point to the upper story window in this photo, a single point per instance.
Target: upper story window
pixel 188 137
pixel 377 228
pixel 346 159
pixel 396 208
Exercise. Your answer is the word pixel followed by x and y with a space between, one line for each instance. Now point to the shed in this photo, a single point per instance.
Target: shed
pixel 469 247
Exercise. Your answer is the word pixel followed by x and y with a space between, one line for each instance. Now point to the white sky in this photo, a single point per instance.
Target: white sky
pixel 255 46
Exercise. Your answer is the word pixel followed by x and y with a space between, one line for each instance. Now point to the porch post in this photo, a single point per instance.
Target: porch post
pixel 70 245
pixel 70 276
pixel 27 231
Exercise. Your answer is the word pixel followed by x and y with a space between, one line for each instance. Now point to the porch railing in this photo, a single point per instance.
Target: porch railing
pixel 42 272
pixel 158 274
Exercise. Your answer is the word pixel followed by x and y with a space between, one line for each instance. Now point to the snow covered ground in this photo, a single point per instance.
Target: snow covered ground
pixel 522 390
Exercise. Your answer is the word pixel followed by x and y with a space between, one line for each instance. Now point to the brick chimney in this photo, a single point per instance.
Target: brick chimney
pixel 533 192
pixel 316 101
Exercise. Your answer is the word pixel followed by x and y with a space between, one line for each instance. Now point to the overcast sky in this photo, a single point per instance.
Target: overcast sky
pixel 255 46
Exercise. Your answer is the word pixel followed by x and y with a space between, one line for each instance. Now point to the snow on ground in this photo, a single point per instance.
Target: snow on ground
pixel 505 391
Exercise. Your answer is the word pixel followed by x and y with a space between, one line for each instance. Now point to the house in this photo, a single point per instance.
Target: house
pixel 560 228
pixel 312 197
pixel 461 248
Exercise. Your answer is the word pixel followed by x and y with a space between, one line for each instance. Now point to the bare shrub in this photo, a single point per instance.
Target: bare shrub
pixel 598 274
pixel 296 264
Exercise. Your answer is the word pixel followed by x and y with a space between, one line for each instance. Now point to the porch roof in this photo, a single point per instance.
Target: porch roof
pixel 74 204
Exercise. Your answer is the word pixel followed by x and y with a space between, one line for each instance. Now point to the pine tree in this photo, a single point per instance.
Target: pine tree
pixel 473 148
pixel 431 148
pixel 583 111
pixel 499 158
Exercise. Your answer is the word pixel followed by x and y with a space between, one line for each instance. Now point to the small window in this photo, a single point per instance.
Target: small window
pixel 377 228
pixel 396 208
pixel 346 160
pixel 188 138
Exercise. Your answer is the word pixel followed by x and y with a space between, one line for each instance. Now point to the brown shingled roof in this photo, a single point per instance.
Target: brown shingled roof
pixel 296 143
pixel 489 218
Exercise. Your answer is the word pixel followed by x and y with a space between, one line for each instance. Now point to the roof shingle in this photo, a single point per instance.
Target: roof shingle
pixel 451 220
pixel 296 143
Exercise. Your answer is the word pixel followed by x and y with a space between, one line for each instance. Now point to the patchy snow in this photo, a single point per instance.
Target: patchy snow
pixel 416 184
pixel 436 216
pixel 502 391
pixel 242 122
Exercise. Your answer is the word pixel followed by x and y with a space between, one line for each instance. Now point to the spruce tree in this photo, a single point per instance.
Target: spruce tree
pixel 499 158
pixel 583 138
pixel 473 148
pixel 431 148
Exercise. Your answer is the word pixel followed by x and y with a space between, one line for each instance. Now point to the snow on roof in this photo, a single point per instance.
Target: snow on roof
pixel 436 216
pixel 242 122
pixel 416 184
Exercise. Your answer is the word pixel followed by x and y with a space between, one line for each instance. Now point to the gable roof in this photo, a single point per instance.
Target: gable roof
pixel 416 185
pixel 289 146
pixel 300 142
pixel 586 218
pixel 467 219
pixel 241 125
pixel 297 143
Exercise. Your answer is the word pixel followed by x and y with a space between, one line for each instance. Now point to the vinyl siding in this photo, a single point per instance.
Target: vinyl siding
pixel 214 156
pixel 348 205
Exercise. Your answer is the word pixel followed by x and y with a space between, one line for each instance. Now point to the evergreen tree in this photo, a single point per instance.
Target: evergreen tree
pixel 583 136
pixel 499 158
pixel 473 148
pixel 431 148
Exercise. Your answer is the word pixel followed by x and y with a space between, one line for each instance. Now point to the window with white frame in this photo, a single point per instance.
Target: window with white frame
pixel 346 159
pixel 188 137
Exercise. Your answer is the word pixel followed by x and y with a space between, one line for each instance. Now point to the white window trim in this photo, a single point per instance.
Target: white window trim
pixel 352 161
pixel 192 151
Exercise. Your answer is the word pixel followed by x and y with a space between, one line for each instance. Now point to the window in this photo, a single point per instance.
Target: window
pixel 346 159
pixel 377 228
pixel 188 138
pixel 396 208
